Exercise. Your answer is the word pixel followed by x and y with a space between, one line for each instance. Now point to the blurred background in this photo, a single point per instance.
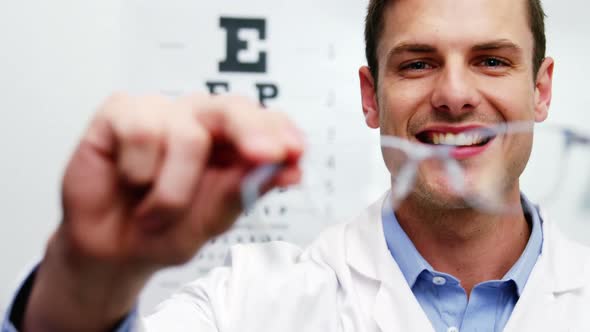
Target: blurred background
pixel 60 59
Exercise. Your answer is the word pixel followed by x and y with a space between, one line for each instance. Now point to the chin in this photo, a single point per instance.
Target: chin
pixel 440 196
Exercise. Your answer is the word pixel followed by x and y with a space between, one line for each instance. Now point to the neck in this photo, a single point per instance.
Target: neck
pixel 466 243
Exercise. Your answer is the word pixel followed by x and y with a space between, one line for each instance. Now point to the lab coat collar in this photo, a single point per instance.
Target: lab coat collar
pixel 558 270
pixel 368 255
pixel 366 250
pixel 563 266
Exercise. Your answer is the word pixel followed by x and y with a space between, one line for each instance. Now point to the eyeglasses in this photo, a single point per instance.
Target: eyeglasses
pixel 482 174
pixel 558 172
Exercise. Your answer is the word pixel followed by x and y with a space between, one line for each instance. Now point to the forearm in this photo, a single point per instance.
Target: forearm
pixel 69 295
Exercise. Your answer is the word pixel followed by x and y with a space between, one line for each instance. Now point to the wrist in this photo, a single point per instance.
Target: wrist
pixel 76 293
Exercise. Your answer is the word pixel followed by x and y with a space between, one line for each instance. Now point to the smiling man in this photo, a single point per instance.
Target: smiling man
pixel 438 69
pixel 443 68
pixel 146 189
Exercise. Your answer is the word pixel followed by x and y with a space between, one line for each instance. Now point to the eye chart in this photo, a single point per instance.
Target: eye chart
pixel 296 57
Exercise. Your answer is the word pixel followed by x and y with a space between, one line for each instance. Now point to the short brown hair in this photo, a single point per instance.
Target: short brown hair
pixel 374 24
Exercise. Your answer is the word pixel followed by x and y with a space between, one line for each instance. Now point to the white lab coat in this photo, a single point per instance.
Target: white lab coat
pixel 347 281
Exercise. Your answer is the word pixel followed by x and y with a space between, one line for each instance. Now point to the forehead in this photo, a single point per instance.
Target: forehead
pixel 455 23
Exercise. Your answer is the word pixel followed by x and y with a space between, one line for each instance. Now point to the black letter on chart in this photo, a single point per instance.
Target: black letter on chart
pixel 266 91
pixel 212 86
pixel 235 45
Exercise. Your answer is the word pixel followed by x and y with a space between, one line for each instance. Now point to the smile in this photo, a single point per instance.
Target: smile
pixel 466 141
pixel 451 139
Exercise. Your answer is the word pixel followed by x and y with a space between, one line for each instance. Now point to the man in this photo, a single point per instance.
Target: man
pixel 152 180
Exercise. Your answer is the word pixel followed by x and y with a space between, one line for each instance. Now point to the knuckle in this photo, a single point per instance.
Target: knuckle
pixel 196 101
pixel 117 98
pixel 196 138
pixel 156 101
pixel 140 133
pixel 115 104
pixel 184 129
pixel 171 203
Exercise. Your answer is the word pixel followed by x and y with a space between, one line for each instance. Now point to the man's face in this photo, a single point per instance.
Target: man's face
pixel 448 66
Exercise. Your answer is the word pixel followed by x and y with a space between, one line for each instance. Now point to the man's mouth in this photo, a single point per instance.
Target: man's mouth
pixel 467 139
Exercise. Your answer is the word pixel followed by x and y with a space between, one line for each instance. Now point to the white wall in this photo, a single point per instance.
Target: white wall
pixel 568 28
pixel 57 62
pixel 60 58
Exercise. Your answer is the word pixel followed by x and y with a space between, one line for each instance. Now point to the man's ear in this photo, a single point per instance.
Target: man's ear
pixel 369 97
pixel 543 90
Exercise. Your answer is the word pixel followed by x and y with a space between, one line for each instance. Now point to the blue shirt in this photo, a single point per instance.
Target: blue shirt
pixel 441 295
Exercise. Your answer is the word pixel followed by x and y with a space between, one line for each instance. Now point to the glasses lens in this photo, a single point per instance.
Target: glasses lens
pixel 402 170
pixel 423 171
pixel 540 160
pixel 493 173
pixel 544 175
pixel 558 174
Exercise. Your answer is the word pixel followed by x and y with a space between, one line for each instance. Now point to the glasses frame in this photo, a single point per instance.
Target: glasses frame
pixel 417 153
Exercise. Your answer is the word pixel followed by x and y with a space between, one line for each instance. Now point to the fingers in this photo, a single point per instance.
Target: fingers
pixel 157 137
pixel 137 126
pixel 165 148
pixel 187 148
pixel 167 143
pixel 287 177
pixel 142 187
pixel 261 135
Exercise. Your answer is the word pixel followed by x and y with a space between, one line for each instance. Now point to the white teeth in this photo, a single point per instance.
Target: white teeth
pixel 461 139
pixel 450 139
pixel 477 139
pixel 436 139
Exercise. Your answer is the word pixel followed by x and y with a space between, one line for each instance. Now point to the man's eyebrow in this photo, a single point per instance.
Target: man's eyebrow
pixel 426 48
pixel 411 48
pixel 497 45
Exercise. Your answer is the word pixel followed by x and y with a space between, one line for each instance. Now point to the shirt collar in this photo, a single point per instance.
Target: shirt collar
pixel 412 264
pixel 405 254
pixel 521 270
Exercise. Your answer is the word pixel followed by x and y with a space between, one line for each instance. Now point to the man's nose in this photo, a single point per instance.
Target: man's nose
pixel 455 91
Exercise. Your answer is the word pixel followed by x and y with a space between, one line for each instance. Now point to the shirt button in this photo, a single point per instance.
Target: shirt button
pixel 439 281
pixel 452 329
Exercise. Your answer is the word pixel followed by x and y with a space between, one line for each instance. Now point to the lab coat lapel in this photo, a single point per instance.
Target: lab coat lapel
pixel 396 309
pixel 556 273
pixel 395 306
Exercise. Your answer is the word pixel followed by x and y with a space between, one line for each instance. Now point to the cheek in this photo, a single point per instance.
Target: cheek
pixel 514 99
pixel 399 102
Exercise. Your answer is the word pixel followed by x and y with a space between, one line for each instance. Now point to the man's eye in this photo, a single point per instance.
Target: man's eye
pixel 493 62
pixel 418 65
